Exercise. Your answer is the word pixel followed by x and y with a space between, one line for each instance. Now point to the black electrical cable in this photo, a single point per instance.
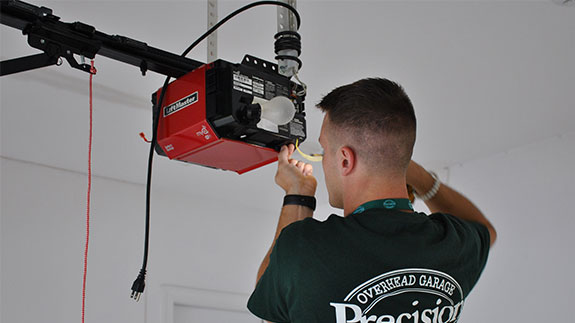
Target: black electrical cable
pixel 288 40
pixel 293 58
pixel 139 284
pixel 242 9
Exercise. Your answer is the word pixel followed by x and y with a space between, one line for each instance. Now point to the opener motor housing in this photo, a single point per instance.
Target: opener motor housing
pixel 205 117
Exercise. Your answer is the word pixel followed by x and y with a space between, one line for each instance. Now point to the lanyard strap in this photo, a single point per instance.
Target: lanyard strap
pixel 388 204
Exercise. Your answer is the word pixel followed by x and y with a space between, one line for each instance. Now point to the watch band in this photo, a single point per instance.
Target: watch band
pixel 302 200
pixel 434 189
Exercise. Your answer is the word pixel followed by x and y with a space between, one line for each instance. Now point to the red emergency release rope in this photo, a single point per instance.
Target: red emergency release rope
pixel 92 72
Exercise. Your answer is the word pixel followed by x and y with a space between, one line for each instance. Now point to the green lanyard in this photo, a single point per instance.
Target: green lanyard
pixel 388 204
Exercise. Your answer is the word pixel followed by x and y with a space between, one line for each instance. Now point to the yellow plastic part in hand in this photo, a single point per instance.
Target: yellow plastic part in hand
pixel 312 157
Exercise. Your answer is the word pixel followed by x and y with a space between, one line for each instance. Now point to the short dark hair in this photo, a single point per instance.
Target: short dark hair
pixel 379 115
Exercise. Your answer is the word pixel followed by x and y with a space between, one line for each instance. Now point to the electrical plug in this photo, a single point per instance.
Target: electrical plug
pixel 139 285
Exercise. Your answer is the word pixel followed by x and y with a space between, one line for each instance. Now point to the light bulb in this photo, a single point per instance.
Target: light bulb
pixel 279 110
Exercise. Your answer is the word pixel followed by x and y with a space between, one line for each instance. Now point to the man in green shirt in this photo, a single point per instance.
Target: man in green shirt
pixel 381 262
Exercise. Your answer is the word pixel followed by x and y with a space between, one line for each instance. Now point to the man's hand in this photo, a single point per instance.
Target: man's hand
pixel 294 176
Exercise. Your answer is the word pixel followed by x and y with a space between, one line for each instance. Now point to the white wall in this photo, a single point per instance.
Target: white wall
pixel 43 215
pixel 527 193
pixel 205 244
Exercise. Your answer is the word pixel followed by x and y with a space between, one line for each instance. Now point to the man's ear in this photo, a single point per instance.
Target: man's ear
pixel 347 160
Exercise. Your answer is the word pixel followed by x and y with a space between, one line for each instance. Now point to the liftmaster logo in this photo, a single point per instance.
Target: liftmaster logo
pixel 180 104
pixel 435 298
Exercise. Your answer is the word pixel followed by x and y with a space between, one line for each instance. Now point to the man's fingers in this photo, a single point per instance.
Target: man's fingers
pixel 300 165
pixel 291 149
pixel 304 168
pixel 308 170
pixel 285 153
pixel 283 156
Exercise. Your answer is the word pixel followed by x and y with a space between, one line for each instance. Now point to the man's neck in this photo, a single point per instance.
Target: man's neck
pixel 360 192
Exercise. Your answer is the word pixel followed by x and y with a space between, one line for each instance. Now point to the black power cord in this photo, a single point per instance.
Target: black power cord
pixel 139 284
pixel 288 40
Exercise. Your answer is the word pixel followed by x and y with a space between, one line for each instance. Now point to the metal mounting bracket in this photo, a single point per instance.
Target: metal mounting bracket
pixel 213 37
pixel 27 63
pixel 286 19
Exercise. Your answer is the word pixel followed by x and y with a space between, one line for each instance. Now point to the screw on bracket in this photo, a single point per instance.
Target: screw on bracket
pixel 144 67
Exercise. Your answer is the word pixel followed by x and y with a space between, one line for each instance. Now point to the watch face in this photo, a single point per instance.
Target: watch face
pixel 411 193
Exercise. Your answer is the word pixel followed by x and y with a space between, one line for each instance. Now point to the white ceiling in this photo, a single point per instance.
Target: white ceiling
pixel 484 76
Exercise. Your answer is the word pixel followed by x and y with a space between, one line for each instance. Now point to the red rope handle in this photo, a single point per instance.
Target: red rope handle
pixel 92 72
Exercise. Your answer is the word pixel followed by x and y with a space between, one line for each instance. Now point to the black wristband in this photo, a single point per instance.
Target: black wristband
pixel 302 200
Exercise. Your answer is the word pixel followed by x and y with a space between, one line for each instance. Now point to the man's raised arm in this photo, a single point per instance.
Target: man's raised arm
pixel 446 200
pixel 296 178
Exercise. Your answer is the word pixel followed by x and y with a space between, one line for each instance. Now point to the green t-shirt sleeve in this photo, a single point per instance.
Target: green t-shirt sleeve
pixel 472 242
pixel 268 301
pixel 483 241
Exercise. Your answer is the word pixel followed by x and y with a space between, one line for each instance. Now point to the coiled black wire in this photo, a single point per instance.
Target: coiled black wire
pixel 288 40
